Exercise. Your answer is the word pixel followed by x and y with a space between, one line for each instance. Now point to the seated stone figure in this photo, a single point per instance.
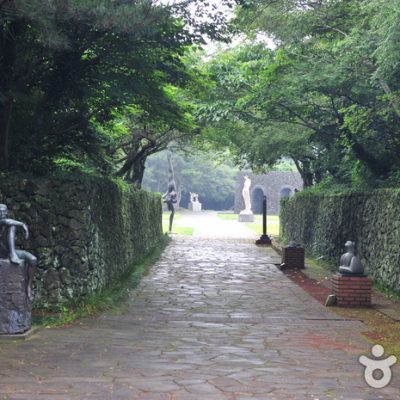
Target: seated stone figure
pixel 349 263
pixel 8 229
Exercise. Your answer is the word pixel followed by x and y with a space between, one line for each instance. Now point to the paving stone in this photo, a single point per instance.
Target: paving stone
pixel 214 319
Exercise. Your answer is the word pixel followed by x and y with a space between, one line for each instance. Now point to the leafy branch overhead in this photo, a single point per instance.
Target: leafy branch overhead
pixel 324 95
pixel 70 71
pixel 99 85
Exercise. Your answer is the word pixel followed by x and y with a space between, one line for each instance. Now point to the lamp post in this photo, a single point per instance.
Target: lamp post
pixel 264 238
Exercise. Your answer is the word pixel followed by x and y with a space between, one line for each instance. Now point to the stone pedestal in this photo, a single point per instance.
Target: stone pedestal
pixel 246 217
pixel 15 307
pixel 195 206
pixel 352 291
pixel 292 257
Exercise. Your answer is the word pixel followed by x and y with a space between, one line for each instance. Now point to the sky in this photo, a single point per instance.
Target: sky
pixel 214 47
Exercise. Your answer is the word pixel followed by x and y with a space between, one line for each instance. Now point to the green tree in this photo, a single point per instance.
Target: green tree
pixel 324 97
pixel 68 68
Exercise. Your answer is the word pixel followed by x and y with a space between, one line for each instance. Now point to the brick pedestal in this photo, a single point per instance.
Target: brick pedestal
pixel 352 291
pixel 15 307
pixel 292 257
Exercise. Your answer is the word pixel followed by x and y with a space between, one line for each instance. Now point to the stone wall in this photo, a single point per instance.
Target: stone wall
pixel 271 185
pixel 84 231
pixel 322 224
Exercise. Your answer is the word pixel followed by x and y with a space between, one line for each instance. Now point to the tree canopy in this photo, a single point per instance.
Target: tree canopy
pixel 327 94
pixel 95 82
pixel 101 85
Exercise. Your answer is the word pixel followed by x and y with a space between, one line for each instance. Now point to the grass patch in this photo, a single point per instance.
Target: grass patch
pixel 227 216
pixel 381 329
pixel 166 214
pixel 179 230
pixel 387 292
pixel 110 298
pixel 165 220
pixel 183 230
pixel 272 225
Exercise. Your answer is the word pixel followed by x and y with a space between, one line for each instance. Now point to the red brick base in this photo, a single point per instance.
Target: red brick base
pixel 352 291
pixel 293 257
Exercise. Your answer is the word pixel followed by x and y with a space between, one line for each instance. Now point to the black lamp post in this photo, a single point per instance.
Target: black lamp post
pixel 264 238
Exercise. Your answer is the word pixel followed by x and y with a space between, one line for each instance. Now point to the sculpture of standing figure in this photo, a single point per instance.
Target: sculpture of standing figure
pixel 170 196
pixel 349 263
pixel 246 196
pixel 8 229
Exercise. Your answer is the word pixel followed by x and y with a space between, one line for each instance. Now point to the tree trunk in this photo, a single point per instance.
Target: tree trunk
pixel 306 175
pixel 374 164
pixel 137 172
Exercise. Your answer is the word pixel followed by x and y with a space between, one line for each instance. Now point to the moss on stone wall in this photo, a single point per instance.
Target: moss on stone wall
pixel 323 223
pixel 86 231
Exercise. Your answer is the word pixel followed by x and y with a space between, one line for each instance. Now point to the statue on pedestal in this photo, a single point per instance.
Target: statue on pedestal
pixel 246 215
pixel 8 228
pixel 246 196
pixel 170 197
pixel 194 204
pixel 349 263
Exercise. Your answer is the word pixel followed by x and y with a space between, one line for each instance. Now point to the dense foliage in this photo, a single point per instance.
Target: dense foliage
pixel 100 85
pixel 326 94
pixel 95 83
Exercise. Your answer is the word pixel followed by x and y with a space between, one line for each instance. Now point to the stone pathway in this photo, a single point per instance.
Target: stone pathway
pixel 214 319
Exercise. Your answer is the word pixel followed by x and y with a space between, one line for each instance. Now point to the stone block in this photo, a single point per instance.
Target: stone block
pixel 352 291
pixel 195 206
pixel 246 217
pixel 293 257
pixel 15 306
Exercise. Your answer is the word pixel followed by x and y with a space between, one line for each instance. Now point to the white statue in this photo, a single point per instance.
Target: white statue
pixel 194 204
pixel 246 196
pixel 194 197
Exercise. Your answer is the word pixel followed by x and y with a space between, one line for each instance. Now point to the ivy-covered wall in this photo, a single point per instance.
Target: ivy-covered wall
pixel 85 231
pixel 323 223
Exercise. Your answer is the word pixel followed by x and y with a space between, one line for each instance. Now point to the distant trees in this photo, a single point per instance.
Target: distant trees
pixel 327 96
pixel 200 173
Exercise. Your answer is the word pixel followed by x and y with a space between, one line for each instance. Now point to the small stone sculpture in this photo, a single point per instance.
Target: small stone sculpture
pixel 194 197
pixel 171 195
pixel 194 204
pixel 349 263
pixel 8 229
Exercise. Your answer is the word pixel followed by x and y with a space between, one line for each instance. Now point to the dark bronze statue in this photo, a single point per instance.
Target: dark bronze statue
pixel 349 263
pixel 170 196
pixel 8 228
